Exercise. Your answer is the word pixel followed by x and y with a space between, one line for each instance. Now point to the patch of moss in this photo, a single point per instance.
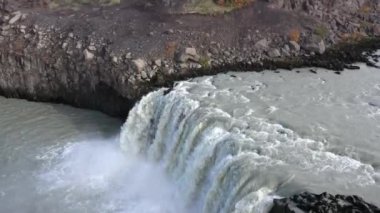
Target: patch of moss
pixel 204 61
pixel 321 31
pixel 77 3
pixel 210 7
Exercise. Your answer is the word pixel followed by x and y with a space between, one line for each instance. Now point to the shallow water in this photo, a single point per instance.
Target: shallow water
pixel 227 143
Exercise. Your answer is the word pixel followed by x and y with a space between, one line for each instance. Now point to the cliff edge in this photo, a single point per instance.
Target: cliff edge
pixel 105 55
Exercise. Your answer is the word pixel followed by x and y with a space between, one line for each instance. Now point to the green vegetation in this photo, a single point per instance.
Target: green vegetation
pixel 204 61
pixel 77 3
pixel 321 31
pixel 214 6
pixel 192 6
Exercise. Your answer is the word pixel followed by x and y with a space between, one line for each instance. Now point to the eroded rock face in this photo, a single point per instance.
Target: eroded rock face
pixel 323 203
pixel 311 5
pixel 91 63
pixel 64 80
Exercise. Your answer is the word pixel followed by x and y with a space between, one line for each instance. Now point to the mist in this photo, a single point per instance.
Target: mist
pixel 97 170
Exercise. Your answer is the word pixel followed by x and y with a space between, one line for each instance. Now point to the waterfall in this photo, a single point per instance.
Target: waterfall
pixel 223 162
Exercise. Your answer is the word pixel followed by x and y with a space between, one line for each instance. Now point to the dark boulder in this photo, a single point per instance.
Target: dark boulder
pixel 323 203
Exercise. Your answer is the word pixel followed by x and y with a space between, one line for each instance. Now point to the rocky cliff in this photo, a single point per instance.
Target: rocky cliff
pixel 106 57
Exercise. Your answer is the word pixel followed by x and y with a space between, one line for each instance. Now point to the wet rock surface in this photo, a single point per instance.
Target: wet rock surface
pixel 323 203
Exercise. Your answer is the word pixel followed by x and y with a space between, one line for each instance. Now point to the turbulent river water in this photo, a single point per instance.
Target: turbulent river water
pixel 226 143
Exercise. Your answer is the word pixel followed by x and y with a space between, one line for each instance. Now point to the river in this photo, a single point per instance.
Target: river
pixel 226 143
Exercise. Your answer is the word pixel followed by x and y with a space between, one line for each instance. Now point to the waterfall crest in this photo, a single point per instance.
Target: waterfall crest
pixel 224 162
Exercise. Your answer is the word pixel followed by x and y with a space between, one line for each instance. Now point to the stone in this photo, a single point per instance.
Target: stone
pixel 92 48
pixel 151 73
pixel 139 64
pixel 321 47
pixel 376 29
pixel 285 51
pixel 88 55
pixel 274 53
pixel 187 54
pixel 262 44
pixel 128 56
pixel 276 3
pixel 79 45
pixel 294 46
pixel 227 53
pixel 27 36
pixel 170 31
pixel 191 51
pixel 22 29
pixel 183 66
pixel 15 18
pixel 4 33
pixel 214 50
pixel 144 75
pixel 5 27
pixel 170 71
pixel 195 66
pixel 158 62
pixel 64 45
pixel 315 45
pixel 115 60
pixel 286 48
pixel 322 203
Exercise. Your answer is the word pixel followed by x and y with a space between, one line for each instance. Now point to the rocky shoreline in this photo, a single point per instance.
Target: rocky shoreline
pixel 336 59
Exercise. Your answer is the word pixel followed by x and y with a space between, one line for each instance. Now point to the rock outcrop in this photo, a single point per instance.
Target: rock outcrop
pixel 323 203
pixel 106 58
pixel 310 5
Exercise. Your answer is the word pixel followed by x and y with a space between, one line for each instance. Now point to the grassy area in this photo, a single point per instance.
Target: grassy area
pixel 77 3
pixel 321 31
pixel 211 7
pixel 192 6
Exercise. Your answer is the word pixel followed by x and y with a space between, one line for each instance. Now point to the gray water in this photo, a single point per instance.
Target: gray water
pixel 55 158
pixel 226 143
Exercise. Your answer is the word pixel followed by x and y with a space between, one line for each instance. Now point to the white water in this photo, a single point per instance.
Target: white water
pixel 227 143
pixel 231 144
pixel 56 158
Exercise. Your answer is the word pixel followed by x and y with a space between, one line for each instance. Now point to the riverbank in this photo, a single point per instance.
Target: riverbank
pixel 107 57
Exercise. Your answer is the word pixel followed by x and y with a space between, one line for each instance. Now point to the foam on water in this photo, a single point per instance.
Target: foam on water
pixel 96 175
pixel 215 141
